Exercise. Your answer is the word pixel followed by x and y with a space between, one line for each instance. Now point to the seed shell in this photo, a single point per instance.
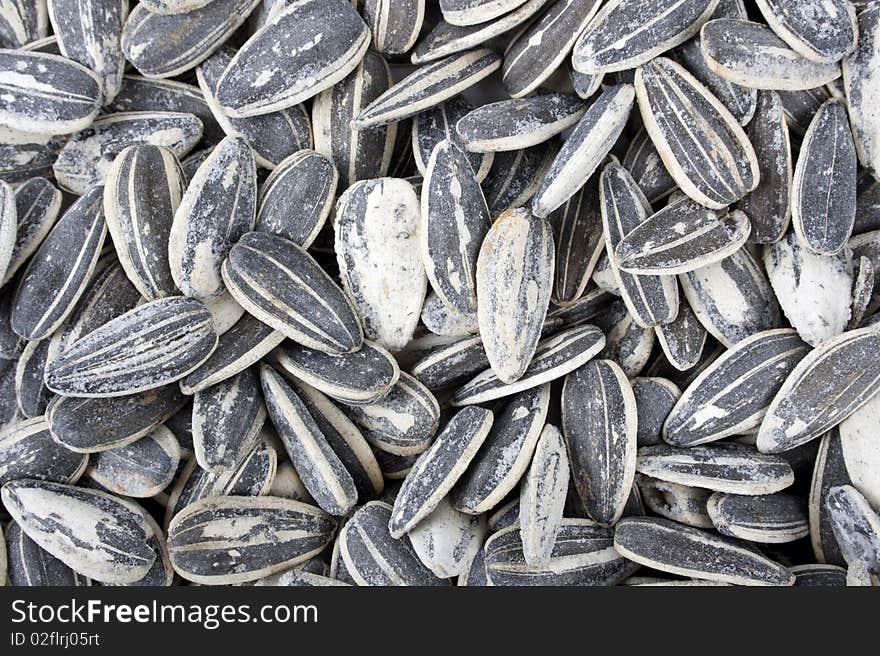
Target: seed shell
pixel 856 526
pixel 30 391
pixel 446 321
pixel 680 503
pixel 516 175
pixel 819 575
pixel 8 226
pixel 647 168
pixel 31 565
pixel 452 363
pixel 775 518
pixel 141 469
pixel 819 31
pixel 860 72
pixel 395 24
pixel 830 470
pixel 24 155
pixel 473 12
pixel 438 124
pixel 655 398
pixel 447 540
pixel 542 497
pixel 27 450
pixel 23 21
pixel 682 339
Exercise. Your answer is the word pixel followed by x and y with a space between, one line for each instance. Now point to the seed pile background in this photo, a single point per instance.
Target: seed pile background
pixel 396 292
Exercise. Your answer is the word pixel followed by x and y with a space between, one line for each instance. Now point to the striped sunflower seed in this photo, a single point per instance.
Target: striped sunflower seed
pixel 859 72
pixel 28 450
pixel 166 7
pixel 360 378
pixel 218 207
pixel 647 168
pixel 46 94
pixel 856 526
pixel 819 575
pixel 800 412
pixel 701 143
pixel 142 192
pixel 514 281
pixel 161 573
pixel 731 395
pixel 395 24
pixel 451 364
pixel 670 547
pixel 830 470
pixel 25 155
pixel 140 469
pixel 624 35
pixel 863 290
pixel 150 346
pixel 438 124
pixel 725 467
pixel 599 418
pixel 282 286
pixel 22 21
pixel 819 31
pixel 516 175
pixel 506 453
pixel 30 390
pixel 31 565
pixel 446 321
pixel 57 274
pixel 223 540
pixel 583 555
pixel 542 497
pixel 823 192
pixel 447 541
pixel 682 339
pixel 473 12
pixel 774 518
pixel 655 398
pixel 96 534
pixel 8 400
pixel 680 503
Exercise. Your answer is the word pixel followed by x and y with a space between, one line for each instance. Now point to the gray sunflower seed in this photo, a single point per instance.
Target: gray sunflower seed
pixel 830 470
pixel 227 417
pixel 680 503
pixel 297 197
pixel 724 467
pixel 438 124
pixel 31 565
pixel 273 136
pixel 238 539
pixel 142 192
pixel 37 204
pixel 140 469
pixel 30 391
pixel 454 221
pixel 167 45
pixel 859 71
pixel 57 273
pixel 26 155
pixel 63 98
pixel 751 55
pixel 96 534
pixel 218 207
pixel 516 124
pixel 819 575
pixel 587 307
pixel 655 398
pixel 823 193
pixel 395 23
pixel 475 573
pixel 733 393
pixel 651 300
pixel 856 526
pixel 403 422
pixel 506 453
pixel 282 286
pixel 90 425
pixel 514 281
pixel 450 364
pixel 27 450
pixel 768 206
pixel 22 21
pixel 849 376
pixel 161 573
pixel 88 155
pixel 515 177
pixel 436 471
pixel 447 541
pixel 819 31
pixel 428 86
pixel 542 498
pixel 357 154
pixel 394 468
pixel 358 378
pixel 150 346
pixel 8 401
pixel 624 35
pixel 474 12
pixel 554 357
pixel 800 106
pixel 599 418
pixel 814 290
pixel 671 547
pixel 321 470
pixel 279 66
pixel 732 298
pixel 682 339
pixel 647 169
pixel 88 33
pixel 446 321
pixel 774 518
pixel 583 555
pixel 372 557
pixel 701 143
pixel 537 52
pixel 586 147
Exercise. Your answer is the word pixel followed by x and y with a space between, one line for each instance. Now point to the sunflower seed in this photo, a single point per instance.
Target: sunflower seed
pixel 751 55
pixel 140 469
pixel 682 339
pixel 443 320
pixel 152 345
pixel 680 503
pixel 859 75
pixel 733 468
pixel 453 363
pixel 30 391
pixel 586 308
pixel 394 467
pixel 26 155
pixel 506 453
pixel 863 290
pixel 395 23
pixel 860 452
pixel 142 192
pixel 446 541
pixel 819 31
pixel 542 498
pixel 583 555
pixel 27 450
pixel 774 518
pixel 8 226
pixel 57 273
pixel 282 286
pixel 298 578
pixel 162 46
pixel 438 124
pixel 830 470
pixel 358 378
pixel 473 12
pixel 647 169
pixel 238 539
pixel 670 547
pixel 88 156
pixel 46 94
pixel 31 565
pixel 515 177
pixel 732 298
pixel 624 35
pixel 819 575
pixel 428 86
pixel 96 534
pixel 856 526
pixel 22 21
pixel 733 393
pixel 655 398
pixel 165 7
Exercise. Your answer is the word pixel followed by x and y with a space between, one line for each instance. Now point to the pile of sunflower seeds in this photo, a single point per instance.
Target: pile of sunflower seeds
pixel 475 292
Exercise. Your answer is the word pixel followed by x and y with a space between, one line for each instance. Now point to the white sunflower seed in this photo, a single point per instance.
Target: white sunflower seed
pixel 542 497
pixel 860 72
pixel 447 541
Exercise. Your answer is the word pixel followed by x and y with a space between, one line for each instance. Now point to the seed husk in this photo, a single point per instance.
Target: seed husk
pixel 821 32
pixel 774 518
pixel 140 469
pixel 859 71
pixel 28 450
pixel 31 565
